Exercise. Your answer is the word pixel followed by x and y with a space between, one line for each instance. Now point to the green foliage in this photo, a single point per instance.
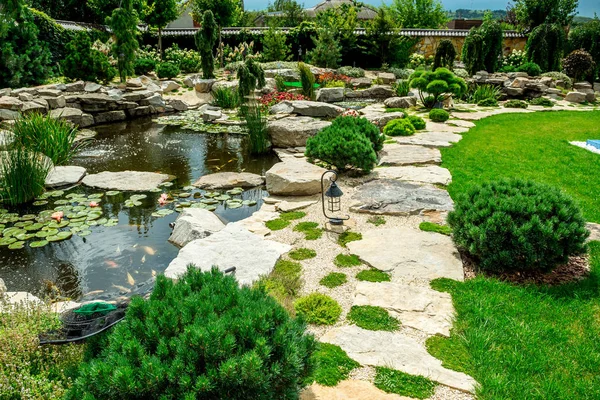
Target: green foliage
pixel 327 52
pixel 256 123
pixel 387 48
pixel 439 115
pixel 25 60
pixel 307 79
pixel 274 46
pixel 85 63
pixel 335 83
pixel 283 283
pixel 401 73
pixel 431 227
pixel 417 122
pixel 372 318
pixel 541 101
pixel 103 9
pixel 478 93
pixel 545 46
pixel 333 279
pixel 167 70
pixel 489 102
pixel 531 68
pixel 293 12
pixel 251 76
pixel 143 66
pixel 55 36
pixel 559 76
pixel 318 309
pixel 341 21
pixel 22 175
pixel 345 143
pixel 392 381
pixel 533 13
pixel 473 51
pixel 206 38
pixel 429 14
pixel 280 83
pixel 348 237
pixel 378 220
pixel 399 127
pixel 43 134
pixel 347 260
pixel 402 88
pixel 483 47
pixel 158 14
pixel 311 230
pixel 28 369
pixel 518 225
pixel 515 104
pixel 587 36
pixel 445 54
pixel 186 60
pixel 352 72
pixel 332 365
pixel 302 254
pixel 225 97
pixel 277 224
pixel 579 65
pixel 123 23
pixel 244 344
pixel 222 10
pixel 373 275
pixel 440 84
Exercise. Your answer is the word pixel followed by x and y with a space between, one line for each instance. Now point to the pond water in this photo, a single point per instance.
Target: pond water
pixel 108 261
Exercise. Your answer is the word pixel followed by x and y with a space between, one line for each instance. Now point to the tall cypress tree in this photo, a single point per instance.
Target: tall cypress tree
pixel 123 23
pixel 206 38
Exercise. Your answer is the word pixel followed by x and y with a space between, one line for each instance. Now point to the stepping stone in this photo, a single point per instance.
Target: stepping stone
pixel 430 139
pixel 286 206
pixel 472 116
pixel 394 350
pixel 348 390
pixel 393 197
pixel 63 176
pixel 427 174
pixel 461 123
pixel 133 181
pixel 228 180
pixel 294 177
pixel 419 307
pixel 444 127
pixel 594 231
pixel 194 223
pixel 409 254
pixel 233 246
pixel 397 154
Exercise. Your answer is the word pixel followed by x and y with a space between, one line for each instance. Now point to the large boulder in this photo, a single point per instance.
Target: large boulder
pixel 294 131
pixel 74 115
pixel 110 116
pixel 154 100
pixel 10 103
pixel 294 177
pixel 228 180
pixel 55 102
pixel 33 107
pixel 576 97
pixel 308 109
pixel 374 92
pixel 194 223
pixel 401 102
pixel 169 86
pixel 331 95
pixel 290 75
pixel 65 175
pixel 134 181
pixel 204 85
pixel 387 77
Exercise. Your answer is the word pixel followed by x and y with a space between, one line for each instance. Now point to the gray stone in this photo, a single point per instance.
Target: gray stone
pixel 127 105
pixel 92 87
pixel 361 83
pixel 294 131
pixel 518 83
pixel 460 123
pixel 575 97
pixel 594 230
pixel 396 351
pixel 233 246
pixel 134 83
pixel 387 77
pixel 110 116
pixel 430 139
pixel 65 175
pixel 225 84
pixel 190 79
pixel 414 256
pixel 446 127
pixel 86 120
pixel 32 91
pixel 49 92
pixel 115 94
pixel 582 85
pixel 211 115
pixel 381 119
pixel 140 111
pixel 396 154
pixel 25 97
pixel 597 87
pixel 289 75
pixel 10 103
pixel 194 223
pixel 6 115
pixel 75 86
pixel 97 102
pixel 177 104
pixel 67 113
pixel 2 287
pixel 5 92
pixel 308 108
pixel 421 308
pixel 134 181
pixel 427 174
pixel 155 100
pixel 348 390
pixel 394 197
pixel 55 102
pixel 331 95
pixel 294 177
pixel 513 92
pixel 137 96
pixel 204 85
pixel 401 102
pixel 22 299
pixel 32 106
pixel 374 92
pixel 154 88
pixel 169 86
pixel 228 180
pixel 287 206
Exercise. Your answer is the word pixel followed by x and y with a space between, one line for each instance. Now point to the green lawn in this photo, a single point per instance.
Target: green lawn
pixel 528 342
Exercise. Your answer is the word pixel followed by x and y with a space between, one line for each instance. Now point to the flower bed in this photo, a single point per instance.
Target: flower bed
pixel 270 99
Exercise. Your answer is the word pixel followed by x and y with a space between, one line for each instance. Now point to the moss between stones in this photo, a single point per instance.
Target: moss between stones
pixel 302 254
pixel 334 279
pixel 373 318
pixel 348 237
pixel 431 227
pixel 401 383
pixel 373 275
pixel 310 229
pixel 333 365
pixel 283 283
pixel 377 221
pixel 292 215
pixel 347 260
pixel 277 224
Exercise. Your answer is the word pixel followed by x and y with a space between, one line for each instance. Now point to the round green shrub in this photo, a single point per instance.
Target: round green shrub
pixel 143 66
pixel 515 104
pixel 399 127
pixel 418 122
pixel 319 309
pixel 517 225
pixel 351 72
pixel 507 69
pixel 201 337
pixel 489 102
pixel 531 68
pixel 167 70
pixel 439 115
pixel 578 65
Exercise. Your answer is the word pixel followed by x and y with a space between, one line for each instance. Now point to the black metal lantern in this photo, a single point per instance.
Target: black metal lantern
pixel 333 194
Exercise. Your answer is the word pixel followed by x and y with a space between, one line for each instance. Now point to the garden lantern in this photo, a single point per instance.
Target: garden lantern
pixel 333 194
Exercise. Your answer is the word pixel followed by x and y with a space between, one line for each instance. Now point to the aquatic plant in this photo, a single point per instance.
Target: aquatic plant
pixel 256 123
pixel 225 97
pixel 22 175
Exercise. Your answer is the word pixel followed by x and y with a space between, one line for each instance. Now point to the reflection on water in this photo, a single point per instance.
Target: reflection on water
pixel 114 260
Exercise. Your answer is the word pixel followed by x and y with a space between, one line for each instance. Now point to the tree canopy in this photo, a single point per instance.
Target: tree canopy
pixel 224 11
pixel 429 14
pixel 533 13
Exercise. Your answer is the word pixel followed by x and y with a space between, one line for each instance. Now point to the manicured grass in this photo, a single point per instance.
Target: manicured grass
pixel 531 146
pixel 311 230
pixel 348 237
pixel 377 220
pixel 392 381
pixel 302 254
pixel 373 318
pixel 431 227
pixel 347 260
pixel 333 365
pixel 373 275
pixel 333 279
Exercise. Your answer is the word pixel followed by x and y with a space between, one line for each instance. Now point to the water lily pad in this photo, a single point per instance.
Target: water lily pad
pixel 25 236
pixel 185 204
pixel 16 245
pixel 234 205
pixel 96 195
pixel 164 212
pixel 63 208
pixel 42 234
pixel 39 243
pixel 249 202
pixel 7 241
pixel 40 203
pixel 79 208
pixel 184 195
pixel 58 225
pixel 211 194
pixel 136 197
pixel 84 227
pixel 34 227
pixel 187 188
pixel 76 224
pixel 166 184
pixel 211 208
pixel 84 233
pixel 92 223
pixel 197 195
pixel 23 223
pixel 209 201
pixel 56 193
pixel 28 217
pixel 75 229
pixel 235 191
pixel 60 236
pixel 223 197
pixel 199 205
pixel 62 202
pixel 155 190
pixel 131 203
pixel 93 216
pixel 113 193
pixel 52 232
pixel 101 221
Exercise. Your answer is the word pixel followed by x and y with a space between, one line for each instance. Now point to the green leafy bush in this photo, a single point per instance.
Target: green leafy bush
pixel 517 225
pixel 444 55
pixel 372 318
pixel 307 79
pixel 545 46
pixel 516 104
pixel 206 38
pixel 461 73
pixel 319 309
pixel 333 365
pixel 413 386
pixel 352 72
pixel 186 60
pixel 440 84
pixel 85 63
pixel 489 102
pixel 142 66
pixel 508 68
pixel 167 70
pixel 402 73
pixel 280 83
pixel 399 127
pixel 579 65
pixel 531 68
pixel 274 46
pixel 417 122
pixel 587 36
pixel 439 115
pixel 559 76
pixel 225 97
pixel 542 101
pixel 200 336
pixel 283 283
pixel 333 279
pixel 327 52
pixel 373 275
pixel 251 76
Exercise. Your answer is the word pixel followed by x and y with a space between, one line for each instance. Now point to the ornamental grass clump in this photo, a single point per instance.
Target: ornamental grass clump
pixel 22 175
pixel 200 337
pixel 518 225
pixel 399 127
pixel 225 97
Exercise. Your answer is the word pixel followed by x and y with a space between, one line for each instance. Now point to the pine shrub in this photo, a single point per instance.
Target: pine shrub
pixel 518 225
pixel 439 84
pixel 418 122
pixel 319 309
pixel 206 38
pixel 167 70
pixel 274 46
pixel 201 337
pixel 579 65
pixel 399 127
pixel 439 115
pixel 307 79
pixel 327 52
pixel 541 101
pixel 531 68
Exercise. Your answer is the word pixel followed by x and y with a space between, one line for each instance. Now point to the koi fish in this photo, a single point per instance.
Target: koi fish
pixel 143 260
pixel 149 250
pixel 111 264
pixel 153 273
pixel 94 292
pixel 121 288
pixel 130 279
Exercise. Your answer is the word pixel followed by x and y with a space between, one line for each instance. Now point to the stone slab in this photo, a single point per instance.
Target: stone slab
pixel 65 175
pixel 134 181
pixel 228 180
pixel 294 131
pixel 348 390
pixel 594 230
pixel 397 154
pixel 294 177
pixel 287 206
pixel 430 139
pixel 432 174
pixel 194 223
pixel 444 127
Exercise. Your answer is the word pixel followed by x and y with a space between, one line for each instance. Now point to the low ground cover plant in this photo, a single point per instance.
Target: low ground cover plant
pixel 302 254
pixel 351 72
pixel 515 104
pixel 399 127
pixel 333 280
pixel 432 227
pixel 347 260
pixel 310 229
pixel 318 309
pixel 392 381
pixel 373 275
pixel 372 318
pixel 283 283
pixel 333 365
pixel 541 101
pixel 270 99
pixel 439 115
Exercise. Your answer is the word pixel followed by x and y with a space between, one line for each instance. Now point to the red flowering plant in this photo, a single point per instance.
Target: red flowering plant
pixel 351 113
pixel 270 99
pixel 328 77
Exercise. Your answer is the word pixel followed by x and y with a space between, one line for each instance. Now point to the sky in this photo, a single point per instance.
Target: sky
pixel 586 7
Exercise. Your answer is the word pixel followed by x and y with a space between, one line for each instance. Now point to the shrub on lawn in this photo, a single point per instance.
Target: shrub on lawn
pixel 578 65
pixel 418 122
pixel 167 70
pixel 202 336
pixel 319 309
pixel 517 225
pixel 399 127
pixel 515 104
pixel 531 68
pixel 143 66
pixel 439 115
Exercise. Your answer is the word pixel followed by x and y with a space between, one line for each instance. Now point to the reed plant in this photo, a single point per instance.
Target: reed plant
pixel 256 123
pixel 478 93
pixel 225 97
pixel 22 174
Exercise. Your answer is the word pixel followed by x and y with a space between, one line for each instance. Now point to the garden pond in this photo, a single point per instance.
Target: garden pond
pixel 110 243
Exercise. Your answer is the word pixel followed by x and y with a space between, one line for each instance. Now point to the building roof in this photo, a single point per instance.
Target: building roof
pixel 365 12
